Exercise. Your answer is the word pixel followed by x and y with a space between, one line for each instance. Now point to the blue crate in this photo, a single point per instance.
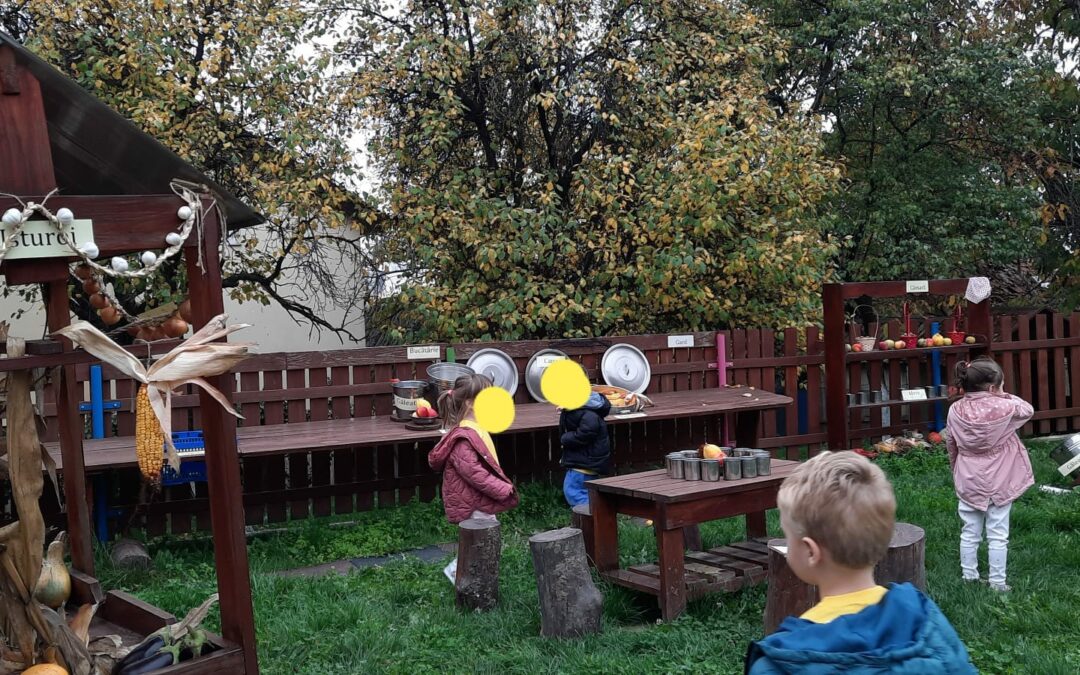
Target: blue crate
pixel 192 471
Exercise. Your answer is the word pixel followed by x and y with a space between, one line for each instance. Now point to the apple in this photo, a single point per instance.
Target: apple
pixel 921 342
pixel 422 403
pixel 947 342
pixel 970 339
pixel 900 344
pixel 890 344
pixel 856 347
pixel 848 347
pixel 938 340
pixel 710 451
pixel 883 345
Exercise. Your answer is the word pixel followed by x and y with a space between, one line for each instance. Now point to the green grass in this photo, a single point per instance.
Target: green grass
pixel 401 618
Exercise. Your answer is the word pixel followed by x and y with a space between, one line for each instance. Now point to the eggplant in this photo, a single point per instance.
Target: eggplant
pixel 140 652
pixel 148 665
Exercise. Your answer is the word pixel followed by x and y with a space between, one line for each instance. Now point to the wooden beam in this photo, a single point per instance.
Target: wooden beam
pixel 223 464
pixel 835 370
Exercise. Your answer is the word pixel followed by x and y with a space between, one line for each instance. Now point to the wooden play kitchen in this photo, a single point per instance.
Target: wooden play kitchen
pixel 853 353
pixel 71 162
pixel 673 503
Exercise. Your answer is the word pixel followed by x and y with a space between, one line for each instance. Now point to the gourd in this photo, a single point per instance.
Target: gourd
pixel 54 583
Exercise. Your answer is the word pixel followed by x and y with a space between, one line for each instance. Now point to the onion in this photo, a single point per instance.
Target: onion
pixel 110 315
pixel 99 301
pixel 84 272
pixel 175 327
pixel 185 310
pixel 91 286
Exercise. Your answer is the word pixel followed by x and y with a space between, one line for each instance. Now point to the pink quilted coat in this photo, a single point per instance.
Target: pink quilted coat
pixel 472 479
pixel 990 465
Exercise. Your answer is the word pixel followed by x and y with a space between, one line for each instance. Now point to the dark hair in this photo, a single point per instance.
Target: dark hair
pixel 978 375
pixel 454 404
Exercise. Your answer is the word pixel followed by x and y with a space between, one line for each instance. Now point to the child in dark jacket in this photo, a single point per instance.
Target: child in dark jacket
pixel 586 449
pixel 837 511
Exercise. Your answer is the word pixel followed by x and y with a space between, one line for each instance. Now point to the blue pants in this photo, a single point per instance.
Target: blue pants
pixel 574 489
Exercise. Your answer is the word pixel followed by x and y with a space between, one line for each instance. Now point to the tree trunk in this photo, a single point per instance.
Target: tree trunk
pixel 479 547
pixel 906 559
pixel 570 604
pixel 788 595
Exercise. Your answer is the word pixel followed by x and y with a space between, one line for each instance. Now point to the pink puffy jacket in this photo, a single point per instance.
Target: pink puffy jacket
pixel 990 465
pixel 472 479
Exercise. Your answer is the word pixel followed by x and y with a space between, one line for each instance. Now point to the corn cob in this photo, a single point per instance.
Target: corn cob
pixel 149 439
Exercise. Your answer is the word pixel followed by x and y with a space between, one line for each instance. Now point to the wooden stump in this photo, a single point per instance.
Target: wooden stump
pixel 570 604
pixel 788 595
pixel 582 520
pixel 130 554
pixel 906 559
pixel 479 547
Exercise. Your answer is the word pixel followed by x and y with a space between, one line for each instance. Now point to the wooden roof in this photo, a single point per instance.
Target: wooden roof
pixel 97 151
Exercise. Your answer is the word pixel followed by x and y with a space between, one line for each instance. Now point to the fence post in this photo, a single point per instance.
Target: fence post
pixel 721 373
pixel 97 430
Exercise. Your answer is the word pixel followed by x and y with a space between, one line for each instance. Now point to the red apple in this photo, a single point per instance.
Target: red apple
pixel 883 345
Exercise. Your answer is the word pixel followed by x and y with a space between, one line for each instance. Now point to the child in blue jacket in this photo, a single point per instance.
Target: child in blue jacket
pixel 837 511
pixel 586 449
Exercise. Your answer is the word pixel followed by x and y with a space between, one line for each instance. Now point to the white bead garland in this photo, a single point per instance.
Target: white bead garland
pixel 174 239
pixel 183 213
pixel 12 217
pixel 89 249
pixel 148 258
pixel 65 216
pixel 118 264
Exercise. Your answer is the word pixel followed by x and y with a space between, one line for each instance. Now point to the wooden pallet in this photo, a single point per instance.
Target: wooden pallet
pixel 723 569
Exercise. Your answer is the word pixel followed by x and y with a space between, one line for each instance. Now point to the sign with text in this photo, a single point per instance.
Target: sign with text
pixel 913 394
pixel 674 341
pixel 919 286
pixel 424 353
pixel 41 239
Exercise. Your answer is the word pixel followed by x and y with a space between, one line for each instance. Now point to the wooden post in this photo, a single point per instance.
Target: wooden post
pixel 570 605
pixel 223 464
pixel 836 413
pixel 605 531
pixel 906 559
pixel 670 545
pixel 479 547
pixel 787 595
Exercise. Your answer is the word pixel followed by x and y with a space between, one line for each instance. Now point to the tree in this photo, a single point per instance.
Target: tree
pixel 576 168
pixel 931 105
pixel 223 84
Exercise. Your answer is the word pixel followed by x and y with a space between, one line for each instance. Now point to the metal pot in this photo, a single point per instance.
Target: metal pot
pixel 444 374
pixel 405 395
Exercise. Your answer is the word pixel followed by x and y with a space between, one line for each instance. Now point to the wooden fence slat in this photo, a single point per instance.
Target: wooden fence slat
pixel 1074 369
pixel 1060 374
pixel 1007 359
pixel 814 386
pixel 1044 374
pixel 1024 363
pixel 274 471
pixel 768 381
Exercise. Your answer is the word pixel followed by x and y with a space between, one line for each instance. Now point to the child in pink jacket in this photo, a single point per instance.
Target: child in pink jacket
pixel 474 484
pixel 990 465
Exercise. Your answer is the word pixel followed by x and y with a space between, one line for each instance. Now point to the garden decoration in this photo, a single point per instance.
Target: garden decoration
pixel 191 362
pixel 864 342
pixel 909 338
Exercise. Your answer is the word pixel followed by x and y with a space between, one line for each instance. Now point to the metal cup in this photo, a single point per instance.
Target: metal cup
pixel 875 396
pixel 742 452
pixel 851 399
pixel 673 462
pixel 864 397
pixel 733 468
pixel 710 470
pixel 691 454
pixel 764 463
pixel 930 390
pixel 749 467
pixel 692 469
pixel 943 390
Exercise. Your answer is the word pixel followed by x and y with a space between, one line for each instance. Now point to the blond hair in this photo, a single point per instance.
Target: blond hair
pixel 845 503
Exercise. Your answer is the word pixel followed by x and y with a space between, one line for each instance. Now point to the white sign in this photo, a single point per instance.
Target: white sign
pixel 921 286
pixel 674 341
pixel 41 239
pixel 548 359
pixel 425 353
pixel 913 394
pixel 1069 466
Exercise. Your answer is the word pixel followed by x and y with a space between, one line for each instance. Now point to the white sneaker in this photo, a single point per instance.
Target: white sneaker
pixel 451 571
pixel 1001 588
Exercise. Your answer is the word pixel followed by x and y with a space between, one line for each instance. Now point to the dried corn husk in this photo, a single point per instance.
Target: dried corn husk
pixel 196 358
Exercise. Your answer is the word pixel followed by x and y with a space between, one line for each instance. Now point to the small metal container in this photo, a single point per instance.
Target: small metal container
pixel 733 468
pixel 749 467
pixel 710 470
pixel 943 390
pixel 691 454
pixel 764 463
pixel 875 396
pixel 742 452
pixel 691 469
pixel 851 399
pixel 930 390
pixel 864 397
pixel 674 464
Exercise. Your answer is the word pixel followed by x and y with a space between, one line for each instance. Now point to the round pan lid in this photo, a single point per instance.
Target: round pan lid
pixel 497 366
pixel 535 370
pixel 625 366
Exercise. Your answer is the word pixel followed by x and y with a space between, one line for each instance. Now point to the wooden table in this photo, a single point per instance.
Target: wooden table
pixel 276 439
pixel 673 504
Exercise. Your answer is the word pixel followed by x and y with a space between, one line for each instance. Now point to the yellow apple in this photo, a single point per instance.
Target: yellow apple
pixel 710 451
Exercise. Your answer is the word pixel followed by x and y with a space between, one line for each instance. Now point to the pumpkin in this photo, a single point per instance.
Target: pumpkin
pixel 45 669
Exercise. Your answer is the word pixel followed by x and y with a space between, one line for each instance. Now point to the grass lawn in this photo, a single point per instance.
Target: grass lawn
pixel 401 618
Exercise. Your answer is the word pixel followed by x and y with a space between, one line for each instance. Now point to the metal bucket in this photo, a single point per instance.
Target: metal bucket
pixel 692 469
pixel 405 395
pixel 1067 457
pixel 749 467
pixel 764 463
pixel 710 470
pixel 733 468
pixel 674 464
pixel 444 374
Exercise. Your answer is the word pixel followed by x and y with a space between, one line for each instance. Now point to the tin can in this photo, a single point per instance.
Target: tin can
pixel 875 396
pixel 764 463
pixel 692 469
pixel 710 470
pixel 733 468
pixel 864 397
pixel 674 463
pixel 749 467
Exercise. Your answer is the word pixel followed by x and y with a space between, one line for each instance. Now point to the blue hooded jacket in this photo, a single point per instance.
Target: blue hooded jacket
pixel 584 436
pixel 904 633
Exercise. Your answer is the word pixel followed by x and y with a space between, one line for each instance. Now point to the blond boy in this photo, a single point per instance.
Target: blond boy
pixel 837 512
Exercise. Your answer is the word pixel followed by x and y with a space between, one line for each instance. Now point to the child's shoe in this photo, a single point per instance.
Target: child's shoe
pixel 1001 588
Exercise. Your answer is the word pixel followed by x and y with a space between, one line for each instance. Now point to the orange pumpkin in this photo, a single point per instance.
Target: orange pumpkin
pixel 45 669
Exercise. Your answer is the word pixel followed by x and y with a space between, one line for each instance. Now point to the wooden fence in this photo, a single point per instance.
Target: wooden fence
pixel 1038 353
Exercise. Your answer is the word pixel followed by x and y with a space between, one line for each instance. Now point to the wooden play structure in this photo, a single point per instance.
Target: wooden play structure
pixel 56 137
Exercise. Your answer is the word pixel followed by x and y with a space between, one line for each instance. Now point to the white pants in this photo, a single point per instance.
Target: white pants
pixel 451 570
pixel 996 521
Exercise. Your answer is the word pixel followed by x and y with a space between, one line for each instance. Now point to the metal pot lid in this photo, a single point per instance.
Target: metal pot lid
pixel 625 366
pixel 497 366
pixel 535 370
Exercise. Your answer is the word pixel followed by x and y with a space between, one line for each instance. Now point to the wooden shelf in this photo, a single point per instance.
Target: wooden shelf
pixel 886 354
pixel 882 404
